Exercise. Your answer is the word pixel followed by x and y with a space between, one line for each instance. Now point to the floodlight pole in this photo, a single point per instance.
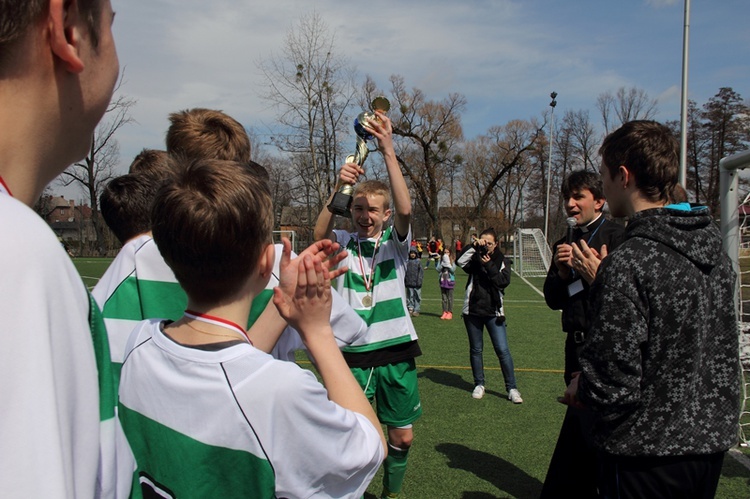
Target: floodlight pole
pixel 682 178
pixel 549 163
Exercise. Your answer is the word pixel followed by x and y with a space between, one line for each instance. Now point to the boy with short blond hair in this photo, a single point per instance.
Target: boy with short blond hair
pixel 383 359
pixel 275 432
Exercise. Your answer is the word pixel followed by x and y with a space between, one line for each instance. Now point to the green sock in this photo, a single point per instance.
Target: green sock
pixel 394 470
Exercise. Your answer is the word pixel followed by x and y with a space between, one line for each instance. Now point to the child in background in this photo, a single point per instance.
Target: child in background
pixel 447 270
pixel 413 283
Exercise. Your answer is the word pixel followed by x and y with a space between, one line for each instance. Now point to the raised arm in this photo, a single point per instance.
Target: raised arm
pixel 349 174
pixel 383 131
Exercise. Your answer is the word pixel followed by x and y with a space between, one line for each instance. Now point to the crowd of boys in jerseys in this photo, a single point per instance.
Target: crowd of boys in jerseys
pixel 658 358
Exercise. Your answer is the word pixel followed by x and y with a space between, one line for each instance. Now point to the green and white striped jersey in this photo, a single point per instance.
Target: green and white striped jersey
pixel 139 285
pixel 388 322
pixel 237 423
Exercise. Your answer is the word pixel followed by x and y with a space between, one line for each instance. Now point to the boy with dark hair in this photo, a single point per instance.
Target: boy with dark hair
pixel 660 364
pixel 573 465
pixel 383 359
pixel 59 433
pixel 125 202
pixel 280 433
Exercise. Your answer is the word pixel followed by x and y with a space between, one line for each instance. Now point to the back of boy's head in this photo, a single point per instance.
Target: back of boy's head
pixel 17 16
pixel 125 204
pixel 374 187
pixel 152 160
pixel 211 225
pixel 650 151
pixel 126 201
pixel 207 134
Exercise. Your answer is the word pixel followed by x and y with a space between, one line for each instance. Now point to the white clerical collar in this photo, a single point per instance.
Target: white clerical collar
pixel 591 224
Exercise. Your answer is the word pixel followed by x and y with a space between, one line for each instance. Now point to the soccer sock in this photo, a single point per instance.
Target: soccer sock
pixel 394 469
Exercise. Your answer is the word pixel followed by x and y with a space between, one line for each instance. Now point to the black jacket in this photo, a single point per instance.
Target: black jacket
pixel 486 284
pixel 661 361
pixel 575 308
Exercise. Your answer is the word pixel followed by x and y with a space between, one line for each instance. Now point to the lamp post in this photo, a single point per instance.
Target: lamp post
pixel 549 163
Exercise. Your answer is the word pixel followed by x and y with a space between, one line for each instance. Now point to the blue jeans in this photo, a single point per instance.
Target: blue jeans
pixel 413 298
pixel 475 325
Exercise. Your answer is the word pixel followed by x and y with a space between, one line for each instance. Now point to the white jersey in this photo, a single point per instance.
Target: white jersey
pixel 59 437
pixel 238 423
pixel 139 285
pixel 386 315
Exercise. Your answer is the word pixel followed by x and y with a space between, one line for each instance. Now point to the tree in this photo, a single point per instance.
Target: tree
pixel 44 206
pixel 507 151
pixel 429 132
pixel 625 105
pixel 98 167
pixel 725 130
pixel 312 89
pixel 583 137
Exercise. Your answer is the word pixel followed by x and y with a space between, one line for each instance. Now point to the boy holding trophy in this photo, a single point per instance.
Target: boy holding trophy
pixel 383 359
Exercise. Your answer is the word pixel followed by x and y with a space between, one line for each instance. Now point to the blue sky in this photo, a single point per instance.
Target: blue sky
pixel 505 56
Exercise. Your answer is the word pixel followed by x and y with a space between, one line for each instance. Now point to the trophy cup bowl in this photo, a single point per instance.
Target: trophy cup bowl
pixel 342 200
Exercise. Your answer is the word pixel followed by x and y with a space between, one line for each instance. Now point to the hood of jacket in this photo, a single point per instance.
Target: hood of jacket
pixel 688 230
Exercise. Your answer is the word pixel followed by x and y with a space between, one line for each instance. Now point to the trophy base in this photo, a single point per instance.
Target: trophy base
pixel 340 204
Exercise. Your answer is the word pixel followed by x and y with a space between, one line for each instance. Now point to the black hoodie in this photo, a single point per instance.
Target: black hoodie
pixel 661 362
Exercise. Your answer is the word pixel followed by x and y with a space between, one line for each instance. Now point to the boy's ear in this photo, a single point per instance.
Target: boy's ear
pixel 267 259
pixel 388 213
pixel 64 33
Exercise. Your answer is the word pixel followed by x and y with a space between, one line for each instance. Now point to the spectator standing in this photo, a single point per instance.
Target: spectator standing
pixel 489 275
pixel 573 464
pixel 413 282
pixel 446 268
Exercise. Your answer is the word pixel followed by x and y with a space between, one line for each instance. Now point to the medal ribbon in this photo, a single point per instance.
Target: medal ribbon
pixel 218 321
pixel 4 189
pixel 368 279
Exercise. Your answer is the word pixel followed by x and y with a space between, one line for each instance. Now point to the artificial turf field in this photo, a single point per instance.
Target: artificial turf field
pixel 477 449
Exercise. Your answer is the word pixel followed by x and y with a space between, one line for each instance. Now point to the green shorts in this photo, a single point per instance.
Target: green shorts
pixel 394 388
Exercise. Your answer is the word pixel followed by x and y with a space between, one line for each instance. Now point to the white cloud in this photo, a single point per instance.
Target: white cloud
pixel 506 56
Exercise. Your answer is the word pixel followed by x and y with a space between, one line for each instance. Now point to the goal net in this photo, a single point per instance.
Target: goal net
pixel 735 233
pixel 533 254
pixel 744 316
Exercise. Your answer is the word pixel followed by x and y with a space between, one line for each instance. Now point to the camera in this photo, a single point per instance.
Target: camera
pixel 481 249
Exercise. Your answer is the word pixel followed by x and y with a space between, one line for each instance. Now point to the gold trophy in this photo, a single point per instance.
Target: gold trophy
pixel 342 200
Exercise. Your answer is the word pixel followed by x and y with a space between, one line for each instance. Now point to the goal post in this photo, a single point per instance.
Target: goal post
pixel 289 234
pixel 533 254
pixel 735 234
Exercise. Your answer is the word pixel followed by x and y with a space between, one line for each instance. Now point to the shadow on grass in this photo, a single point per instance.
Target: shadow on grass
pixel 499 472
pixel 453 380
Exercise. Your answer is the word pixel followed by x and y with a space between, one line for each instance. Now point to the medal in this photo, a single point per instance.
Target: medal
pixel 368 278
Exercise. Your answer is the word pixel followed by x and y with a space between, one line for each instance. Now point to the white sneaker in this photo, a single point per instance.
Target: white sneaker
pixel 478 392
pixel 515 396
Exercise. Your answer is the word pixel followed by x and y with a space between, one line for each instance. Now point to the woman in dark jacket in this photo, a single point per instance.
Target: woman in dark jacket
pixel 489 275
